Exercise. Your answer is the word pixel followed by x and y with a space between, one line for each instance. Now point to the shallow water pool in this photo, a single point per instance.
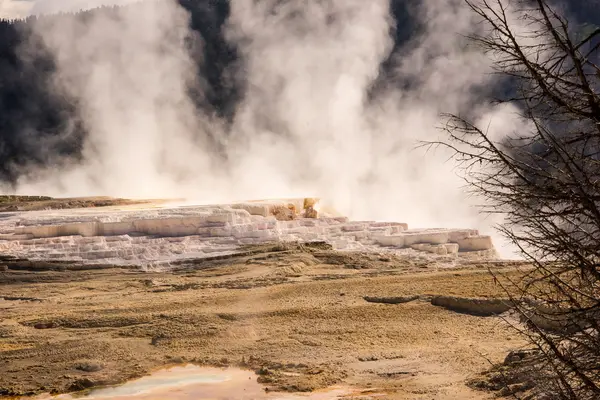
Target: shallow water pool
pixel 196 383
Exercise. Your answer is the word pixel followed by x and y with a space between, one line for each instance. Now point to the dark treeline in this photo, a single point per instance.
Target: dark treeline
pixel 38 125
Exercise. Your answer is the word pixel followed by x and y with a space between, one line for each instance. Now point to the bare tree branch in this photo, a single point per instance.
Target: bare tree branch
pixel 546 182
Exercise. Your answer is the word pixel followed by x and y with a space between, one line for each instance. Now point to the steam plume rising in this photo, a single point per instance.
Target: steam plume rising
pixel 317 116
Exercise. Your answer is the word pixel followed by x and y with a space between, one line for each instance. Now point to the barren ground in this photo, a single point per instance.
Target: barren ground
pixel 298 313
pixel 36 203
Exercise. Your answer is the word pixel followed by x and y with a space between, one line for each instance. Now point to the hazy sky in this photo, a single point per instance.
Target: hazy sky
pixel 10 9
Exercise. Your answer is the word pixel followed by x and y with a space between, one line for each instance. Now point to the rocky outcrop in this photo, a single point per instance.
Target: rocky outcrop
pixel 481 307
pixel 391 300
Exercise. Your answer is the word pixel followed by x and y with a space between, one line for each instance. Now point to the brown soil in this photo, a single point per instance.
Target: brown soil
pixel 295 314
pixel 36 203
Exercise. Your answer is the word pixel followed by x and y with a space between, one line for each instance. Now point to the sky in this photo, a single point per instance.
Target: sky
pixel 13 9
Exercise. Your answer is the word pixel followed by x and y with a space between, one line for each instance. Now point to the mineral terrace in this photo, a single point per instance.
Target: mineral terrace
pixel 155 235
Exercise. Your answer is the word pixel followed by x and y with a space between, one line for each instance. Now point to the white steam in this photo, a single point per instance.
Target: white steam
pixel 305 125
pixel 130 72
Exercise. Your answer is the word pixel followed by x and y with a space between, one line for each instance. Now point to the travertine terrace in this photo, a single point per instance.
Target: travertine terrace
pixel 161 234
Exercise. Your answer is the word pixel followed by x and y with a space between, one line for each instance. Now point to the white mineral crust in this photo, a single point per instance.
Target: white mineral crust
pixel 130 235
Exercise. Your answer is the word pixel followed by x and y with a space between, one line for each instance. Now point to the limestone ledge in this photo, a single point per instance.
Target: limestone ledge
pixel 162 235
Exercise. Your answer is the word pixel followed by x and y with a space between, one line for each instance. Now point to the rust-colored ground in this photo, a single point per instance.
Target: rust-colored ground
pixel 297 314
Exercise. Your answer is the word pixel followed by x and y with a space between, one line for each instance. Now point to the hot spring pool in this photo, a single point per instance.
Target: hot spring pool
pixel 195 383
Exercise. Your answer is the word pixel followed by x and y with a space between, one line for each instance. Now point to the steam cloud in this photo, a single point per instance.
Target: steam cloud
pixel 309 122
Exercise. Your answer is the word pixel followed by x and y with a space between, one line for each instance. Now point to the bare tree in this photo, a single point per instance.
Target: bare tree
pixel 546 181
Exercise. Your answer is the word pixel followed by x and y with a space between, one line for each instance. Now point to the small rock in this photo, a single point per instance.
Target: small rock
pixel 44 325
pixel 517 356
pixel 368 358
pixel 87 366
pixel 81 384
pixel 157 339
